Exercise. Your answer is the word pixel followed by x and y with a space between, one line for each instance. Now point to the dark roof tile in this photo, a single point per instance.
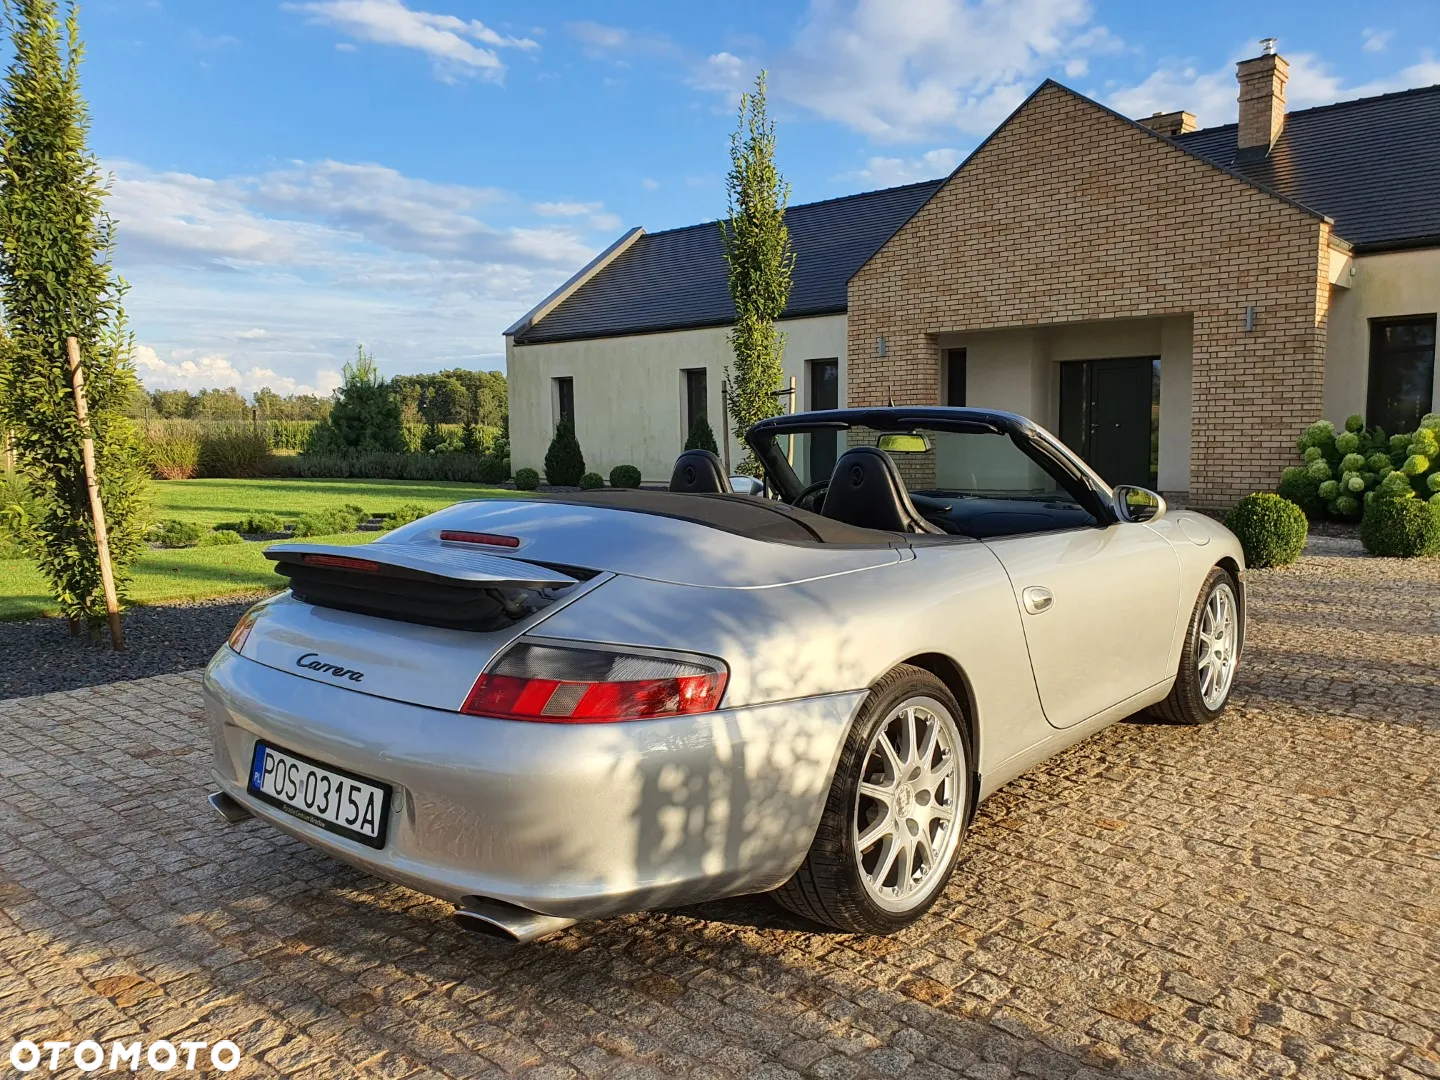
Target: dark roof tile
pixel 678 279
pixel 1373 165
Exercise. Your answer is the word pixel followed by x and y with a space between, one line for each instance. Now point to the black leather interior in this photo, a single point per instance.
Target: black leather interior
pixel 866 491
pixel 699 472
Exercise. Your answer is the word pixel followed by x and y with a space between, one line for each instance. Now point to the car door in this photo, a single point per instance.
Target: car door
pixel 1098 604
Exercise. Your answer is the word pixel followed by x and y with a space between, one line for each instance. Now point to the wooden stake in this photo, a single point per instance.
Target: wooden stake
pixel 725 424
pixel 97 509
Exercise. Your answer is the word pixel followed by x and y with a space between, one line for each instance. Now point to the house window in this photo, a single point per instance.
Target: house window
pixel 1402 372
pixel 955 377
pixel 564 401
pixel 696 398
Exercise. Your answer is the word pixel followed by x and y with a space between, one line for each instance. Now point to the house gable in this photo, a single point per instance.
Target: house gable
pixel 1070 213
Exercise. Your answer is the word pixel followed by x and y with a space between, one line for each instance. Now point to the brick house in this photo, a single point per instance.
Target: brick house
pixel 1175 304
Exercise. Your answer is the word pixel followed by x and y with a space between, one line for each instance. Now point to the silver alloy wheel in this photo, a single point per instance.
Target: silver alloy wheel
pixel 1219 645
pixel 911 797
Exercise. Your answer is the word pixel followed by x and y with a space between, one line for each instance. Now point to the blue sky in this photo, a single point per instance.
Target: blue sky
pixel 291 178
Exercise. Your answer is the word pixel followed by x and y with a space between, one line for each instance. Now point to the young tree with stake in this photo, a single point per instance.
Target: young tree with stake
pixel 56 282
pixel 757 249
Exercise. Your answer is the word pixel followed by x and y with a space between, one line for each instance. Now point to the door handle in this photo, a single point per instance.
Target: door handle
pixel 1037 599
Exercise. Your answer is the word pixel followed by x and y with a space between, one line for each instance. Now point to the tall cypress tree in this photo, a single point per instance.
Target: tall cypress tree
pixel 757 249
pixel 56 281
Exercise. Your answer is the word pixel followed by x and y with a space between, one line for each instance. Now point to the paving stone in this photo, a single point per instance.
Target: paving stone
pixel 1251 898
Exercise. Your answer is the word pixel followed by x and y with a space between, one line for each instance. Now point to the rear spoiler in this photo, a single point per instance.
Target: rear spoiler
pixel 440 563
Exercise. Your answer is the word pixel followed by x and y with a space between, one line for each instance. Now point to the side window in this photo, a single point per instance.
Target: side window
pixel 1402 372
pixel 563 399
pixel 695 391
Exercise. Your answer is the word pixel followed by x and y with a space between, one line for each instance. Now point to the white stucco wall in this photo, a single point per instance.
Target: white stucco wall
pixel 1018 370
pixel 629 391
pixel 1381 286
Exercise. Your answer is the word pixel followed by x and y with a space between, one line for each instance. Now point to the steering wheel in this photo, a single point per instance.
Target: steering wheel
pixel 809 492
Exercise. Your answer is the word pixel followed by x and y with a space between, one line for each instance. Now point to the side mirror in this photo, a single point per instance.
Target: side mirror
pixel 1137 504
pixel 747 485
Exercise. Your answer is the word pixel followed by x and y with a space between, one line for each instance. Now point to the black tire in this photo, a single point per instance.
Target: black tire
pixel 827 888
pixel 1185 703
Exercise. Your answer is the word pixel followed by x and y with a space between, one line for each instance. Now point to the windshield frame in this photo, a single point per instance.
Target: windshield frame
pixel 1056 459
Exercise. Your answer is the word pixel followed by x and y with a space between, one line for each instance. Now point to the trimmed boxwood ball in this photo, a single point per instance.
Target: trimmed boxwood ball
pixel 526 479
pixel 591 480
pixel 1272 530
pixel 1401 528
pixel 625 476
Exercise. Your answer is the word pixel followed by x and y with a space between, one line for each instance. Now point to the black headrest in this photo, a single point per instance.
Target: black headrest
pixel 866 491
pixel 699 472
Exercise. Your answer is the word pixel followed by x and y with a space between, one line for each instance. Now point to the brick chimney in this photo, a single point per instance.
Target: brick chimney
pixel 1169 124
pixel 1262 100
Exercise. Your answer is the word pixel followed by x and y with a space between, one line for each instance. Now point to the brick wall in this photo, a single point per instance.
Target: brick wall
pixel 1072 214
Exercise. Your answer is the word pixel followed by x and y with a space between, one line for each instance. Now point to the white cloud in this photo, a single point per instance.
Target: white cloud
pixel 279 274
pixel 457 46
pixel 723 72
pixel 907 69
pixel 593 212
pixel 649 183
pixel 1213 95
pixel 1375 40
pixel 599 41
pixel 210 370
pixel 890 171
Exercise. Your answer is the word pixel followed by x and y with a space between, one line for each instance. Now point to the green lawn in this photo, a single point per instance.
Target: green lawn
pixel 169 576
pixel 214 502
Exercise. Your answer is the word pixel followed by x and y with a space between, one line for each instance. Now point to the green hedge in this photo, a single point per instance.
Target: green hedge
pixel 465 468
pixel 1272 530
pixel 1401 528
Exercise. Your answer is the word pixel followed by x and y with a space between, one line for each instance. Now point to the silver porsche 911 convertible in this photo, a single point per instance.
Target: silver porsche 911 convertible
pixel 565 707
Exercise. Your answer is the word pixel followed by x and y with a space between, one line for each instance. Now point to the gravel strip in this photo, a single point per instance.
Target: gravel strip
pixel 40 656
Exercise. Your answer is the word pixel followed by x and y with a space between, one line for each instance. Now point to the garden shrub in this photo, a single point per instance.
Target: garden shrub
pixel 1401 528
pixel 1272 530
pixel 492 470
pixel 701 437
pixel 17 513
pixel 173 449
pixel 591 480
pixel 1340 473
pixel 365 416
pixel 463 468
pixel 221 538
pixel 404 515
pixel 564 463
pixel 338 519
pixel 260 524
pixel 172 533
pixel 625 476
pixel 236 454
pixel 526 479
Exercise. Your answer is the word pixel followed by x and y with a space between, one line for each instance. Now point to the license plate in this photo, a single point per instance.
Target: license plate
pixel 335 800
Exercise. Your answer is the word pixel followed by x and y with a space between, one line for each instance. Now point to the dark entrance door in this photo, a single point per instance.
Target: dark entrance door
pixel 824 394
pixel 1109 412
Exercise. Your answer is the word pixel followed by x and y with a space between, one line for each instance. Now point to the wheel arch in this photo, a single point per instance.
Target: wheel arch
pixel 948 670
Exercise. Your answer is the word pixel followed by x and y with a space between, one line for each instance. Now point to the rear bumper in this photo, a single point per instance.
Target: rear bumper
pixel 578 821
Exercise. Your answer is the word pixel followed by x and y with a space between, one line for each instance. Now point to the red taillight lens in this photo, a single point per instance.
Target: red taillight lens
pixel 492 539
pixel 562 685
pixel 342 562
pixel 242 630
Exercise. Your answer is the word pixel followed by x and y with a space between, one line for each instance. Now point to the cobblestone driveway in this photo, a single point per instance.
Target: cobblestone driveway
pixel 1260 897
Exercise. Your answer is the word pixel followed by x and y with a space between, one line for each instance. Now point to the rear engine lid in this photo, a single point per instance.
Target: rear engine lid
pixel 404 661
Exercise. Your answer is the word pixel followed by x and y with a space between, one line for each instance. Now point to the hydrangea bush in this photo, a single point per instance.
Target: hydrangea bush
pixel 1339 473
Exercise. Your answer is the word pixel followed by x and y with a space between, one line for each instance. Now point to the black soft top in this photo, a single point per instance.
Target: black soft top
pixel 743 515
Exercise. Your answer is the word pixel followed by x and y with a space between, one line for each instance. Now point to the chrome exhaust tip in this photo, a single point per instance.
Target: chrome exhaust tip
pixel 499 919
pixel 228 808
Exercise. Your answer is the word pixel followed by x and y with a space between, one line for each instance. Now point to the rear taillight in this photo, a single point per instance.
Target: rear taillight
pixel 242 630
pixel 586 685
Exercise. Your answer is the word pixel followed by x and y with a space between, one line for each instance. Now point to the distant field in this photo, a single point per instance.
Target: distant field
pixel 171 576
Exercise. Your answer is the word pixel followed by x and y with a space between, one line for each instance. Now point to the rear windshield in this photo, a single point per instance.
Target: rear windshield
pixel 743 515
